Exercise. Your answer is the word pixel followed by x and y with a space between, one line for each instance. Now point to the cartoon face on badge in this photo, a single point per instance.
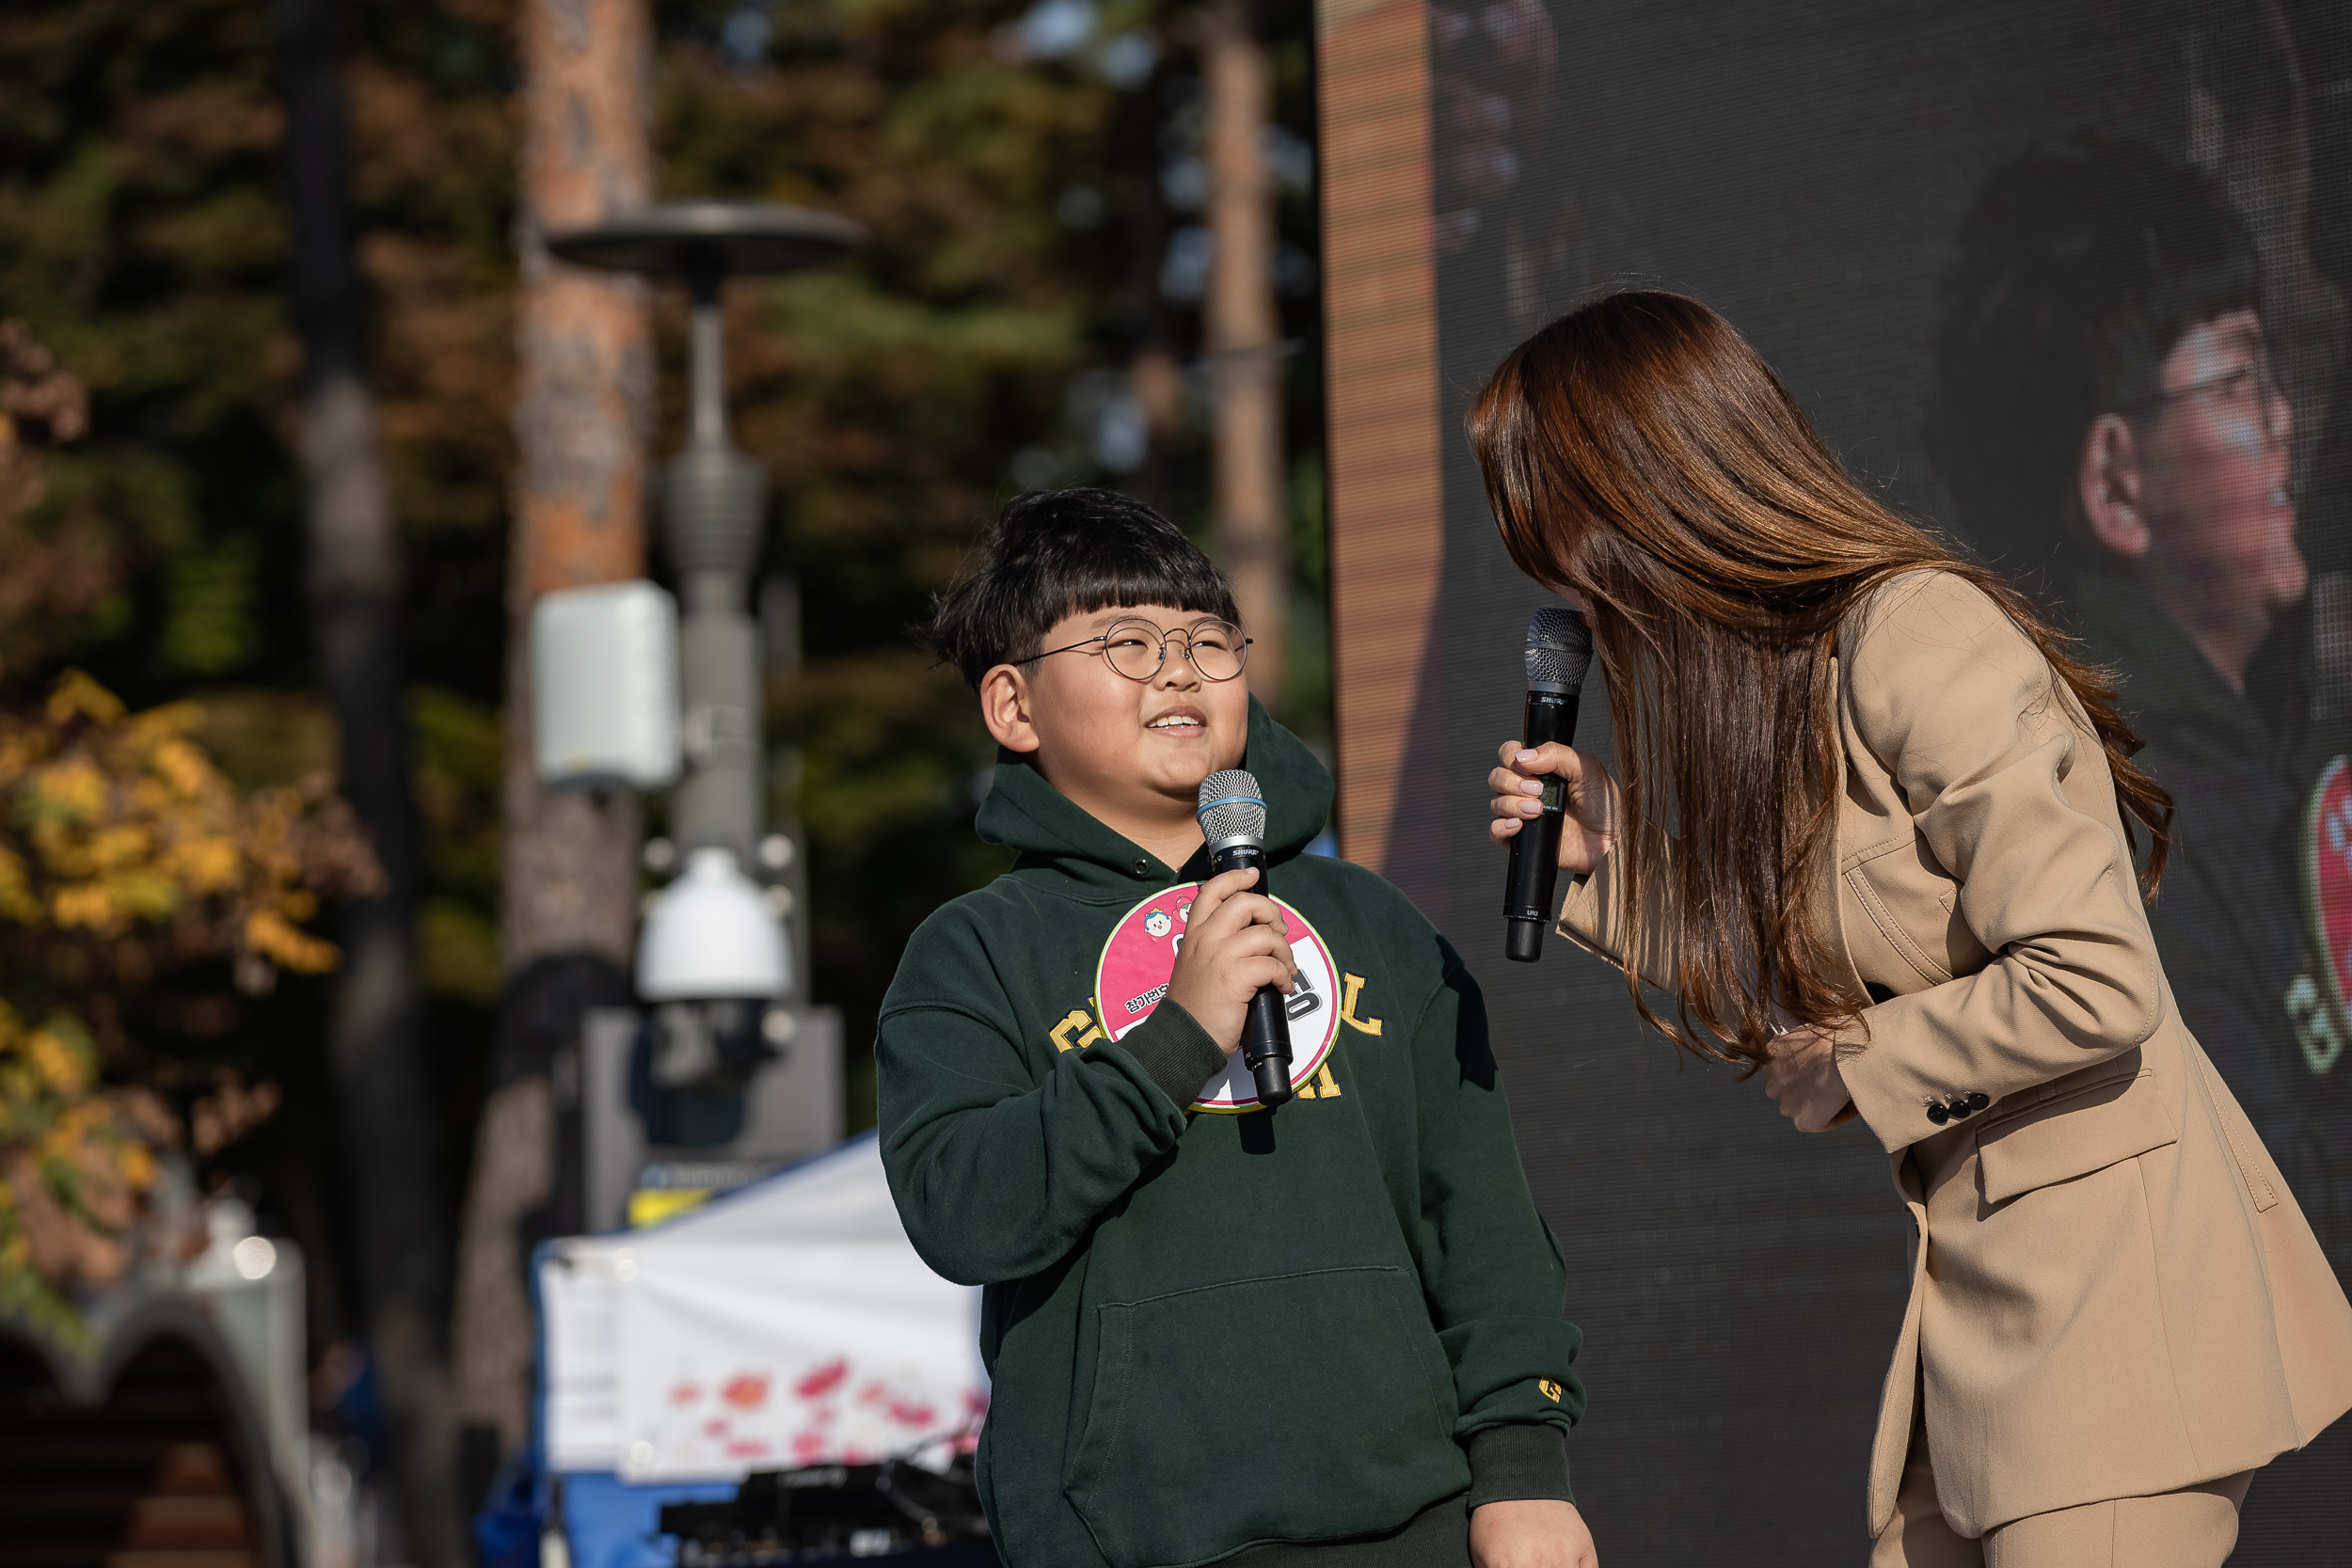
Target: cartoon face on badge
pixel 1156 925
pixel 1184 910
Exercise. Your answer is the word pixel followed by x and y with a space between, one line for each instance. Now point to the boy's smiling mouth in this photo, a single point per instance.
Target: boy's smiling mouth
pixel 1186 719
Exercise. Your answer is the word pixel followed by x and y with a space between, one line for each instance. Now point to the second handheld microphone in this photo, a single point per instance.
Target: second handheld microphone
pixel 1559 651
pixel 1232 819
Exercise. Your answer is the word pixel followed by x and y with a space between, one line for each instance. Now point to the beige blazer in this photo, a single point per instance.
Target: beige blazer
pixel 2113 1293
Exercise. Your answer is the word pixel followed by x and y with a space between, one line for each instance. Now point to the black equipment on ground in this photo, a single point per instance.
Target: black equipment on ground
pixel 1232 819
pixel 1559 651
pixel 837 1511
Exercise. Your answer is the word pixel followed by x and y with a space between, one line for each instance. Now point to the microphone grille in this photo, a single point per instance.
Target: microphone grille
pixel 1559 647
pixel 1231 806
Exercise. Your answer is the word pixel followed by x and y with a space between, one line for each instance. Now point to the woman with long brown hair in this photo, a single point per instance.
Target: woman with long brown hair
pixel 1876 838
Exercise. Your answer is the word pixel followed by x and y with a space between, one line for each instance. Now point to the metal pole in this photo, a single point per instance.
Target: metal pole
pixel 714 497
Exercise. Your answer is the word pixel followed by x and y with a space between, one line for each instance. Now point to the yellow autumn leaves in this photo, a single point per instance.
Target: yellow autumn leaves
pixel 124 854
pixel 75 1159
pixel 119 821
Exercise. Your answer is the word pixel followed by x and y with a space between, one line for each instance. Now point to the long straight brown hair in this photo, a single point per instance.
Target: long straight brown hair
pixel 1640 453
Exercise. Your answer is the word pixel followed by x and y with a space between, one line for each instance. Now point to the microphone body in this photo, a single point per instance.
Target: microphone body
pixel 1559 650
pixel 1233 821
pixel 1265 1037
pixel 1535 874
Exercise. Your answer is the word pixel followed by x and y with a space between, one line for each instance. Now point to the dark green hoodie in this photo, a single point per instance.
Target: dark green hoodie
pixel 1209 1332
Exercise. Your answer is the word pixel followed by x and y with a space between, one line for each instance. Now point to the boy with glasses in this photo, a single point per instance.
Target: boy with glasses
pixel 1217 1331
pixel 2106 418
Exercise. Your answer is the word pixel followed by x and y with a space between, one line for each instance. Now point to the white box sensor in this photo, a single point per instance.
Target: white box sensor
pixel 604 686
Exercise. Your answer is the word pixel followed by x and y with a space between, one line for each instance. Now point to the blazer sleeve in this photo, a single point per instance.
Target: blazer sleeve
pixel 1984 740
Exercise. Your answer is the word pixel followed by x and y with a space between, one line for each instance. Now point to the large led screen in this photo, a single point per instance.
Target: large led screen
pixel 1997 249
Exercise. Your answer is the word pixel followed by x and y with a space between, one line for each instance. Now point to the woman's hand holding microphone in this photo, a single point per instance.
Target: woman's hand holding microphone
pixel 1803 1077
pixel 1590 805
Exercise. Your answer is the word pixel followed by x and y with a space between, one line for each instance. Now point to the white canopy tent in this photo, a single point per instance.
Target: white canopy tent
pixel 786 1323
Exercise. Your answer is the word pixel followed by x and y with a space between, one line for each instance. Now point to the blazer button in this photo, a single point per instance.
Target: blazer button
pixel 1958 1104
pixel 1938 1113
pixel 1979 1099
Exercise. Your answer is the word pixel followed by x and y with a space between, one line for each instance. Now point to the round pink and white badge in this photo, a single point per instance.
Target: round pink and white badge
pixel 1140 953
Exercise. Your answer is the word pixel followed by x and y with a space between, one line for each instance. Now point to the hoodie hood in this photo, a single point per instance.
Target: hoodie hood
pixel 1030 816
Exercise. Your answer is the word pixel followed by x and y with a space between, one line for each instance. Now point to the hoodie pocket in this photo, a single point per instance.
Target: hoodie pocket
pixel 1294 1408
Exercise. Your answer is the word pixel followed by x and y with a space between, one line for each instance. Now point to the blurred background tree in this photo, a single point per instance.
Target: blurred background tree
pixel 139 890
pixel 132 874
pixel 1027 315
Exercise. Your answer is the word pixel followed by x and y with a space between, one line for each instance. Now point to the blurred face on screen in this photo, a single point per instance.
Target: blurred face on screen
pixel 2194 486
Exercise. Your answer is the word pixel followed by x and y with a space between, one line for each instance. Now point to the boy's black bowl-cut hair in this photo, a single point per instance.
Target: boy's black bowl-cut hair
pixel 1067 552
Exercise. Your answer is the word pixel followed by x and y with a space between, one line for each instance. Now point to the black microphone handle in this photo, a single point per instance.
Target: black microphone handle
pixel 1527 899
pixel 1265 1034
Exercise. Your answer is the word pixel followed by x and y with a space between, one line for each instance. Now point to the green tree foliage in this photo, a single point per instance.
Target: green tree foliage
pixel 1011 186
pixel 138 189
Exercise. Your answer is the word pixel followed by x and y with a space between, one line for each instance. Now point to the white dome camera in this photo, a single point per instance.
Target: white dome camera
pixel 713 936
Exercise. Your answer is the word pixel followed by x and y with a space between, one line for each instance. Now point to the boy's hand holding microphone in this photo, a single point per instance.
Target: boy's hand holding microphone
pixel 1234 965
pixel 1234 946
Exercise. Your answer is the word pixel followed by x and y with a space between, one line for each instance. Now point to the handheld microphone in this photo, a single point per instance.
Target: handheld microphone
pixel 1232 819
pixel 1559 651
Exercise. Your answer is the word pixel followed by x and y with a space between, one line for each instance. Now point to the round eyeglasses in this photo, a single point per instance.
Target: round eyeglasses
pixel 2250 388
pixel 1138 649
